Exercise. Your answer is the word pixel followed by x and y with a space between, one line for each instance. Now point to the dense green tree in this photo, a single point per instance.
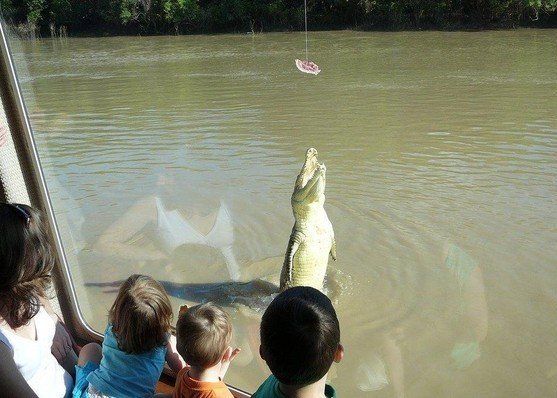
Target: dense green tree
pixel 182 14
pixel 7 9
pixel 34 10
pixel 187 16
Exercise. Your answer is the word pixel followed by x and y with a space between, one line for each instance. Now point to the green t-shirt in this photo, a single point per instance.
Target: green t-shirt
pixel 270 389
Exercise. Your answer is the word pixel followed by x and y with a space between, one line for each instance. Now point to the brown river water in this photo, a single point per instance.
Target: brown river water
pixel 441 155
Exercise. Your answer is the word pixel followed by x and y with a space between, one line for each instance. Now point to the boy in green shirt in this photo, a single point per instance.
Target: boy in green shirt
pixel 300 340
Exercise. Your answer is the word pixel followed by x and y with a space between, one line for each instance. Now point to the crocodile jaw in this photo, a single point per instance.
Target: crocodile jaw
pixel 308 168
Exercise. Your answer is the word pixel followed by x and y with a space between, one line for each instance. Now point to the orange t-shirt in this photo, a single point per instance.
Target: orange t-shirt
pixel 186 387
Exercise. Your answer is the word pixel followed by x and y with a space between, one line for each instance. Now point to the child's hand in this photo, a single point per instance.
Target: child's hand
pixel 228 357
pixel 173 358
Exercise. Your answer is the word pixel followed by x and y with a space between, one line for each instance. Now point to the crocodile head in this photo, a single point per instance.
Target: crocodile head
pixel 310 184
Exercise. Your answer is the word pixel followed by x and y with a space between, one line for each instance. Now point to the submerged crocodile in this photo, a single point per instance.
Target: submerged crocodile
pixel 312 238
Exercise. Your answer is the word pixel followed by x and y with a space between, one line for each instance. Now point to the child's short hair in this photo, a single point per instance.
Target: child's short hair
pixel 141 315
pixel 203 333
pixel 26 261
pixel 300 335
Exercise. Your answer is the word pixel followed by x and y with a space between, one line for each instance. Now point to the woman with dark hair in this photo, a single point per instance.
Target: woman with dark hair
pixel 32 340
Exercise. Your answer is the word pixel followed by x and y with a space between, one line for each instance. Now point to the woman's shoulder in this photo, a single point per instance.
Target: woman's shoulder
pixel 43 320
pixel 43 324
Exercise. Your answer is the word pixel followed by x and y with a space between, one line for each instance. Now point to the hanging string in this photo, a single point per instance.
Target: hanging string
pixel 306 25
pixel 307 66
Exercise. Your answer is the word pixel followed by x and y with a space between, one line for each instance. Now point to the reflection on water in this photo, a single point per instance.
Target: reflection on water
pixel 441 161
pixel 158 225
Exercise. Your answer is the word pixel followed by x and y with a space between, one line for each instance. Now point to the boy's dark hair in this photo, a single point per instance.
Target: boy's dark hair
pixel 203 333
pixel 300 335
pixel 141 315
pixel 26 261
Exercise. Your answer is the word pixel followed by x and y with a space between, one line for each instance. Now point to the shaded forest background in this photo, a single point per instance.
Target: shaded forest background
pixel 98 17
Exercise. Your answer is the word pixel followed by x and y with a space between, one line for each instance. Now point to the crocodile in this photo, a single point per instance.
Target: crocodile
pixel 312 239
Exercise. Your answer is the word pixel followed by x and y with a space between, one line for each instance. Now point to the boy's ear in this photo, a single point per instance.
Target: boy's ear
pixel 339 354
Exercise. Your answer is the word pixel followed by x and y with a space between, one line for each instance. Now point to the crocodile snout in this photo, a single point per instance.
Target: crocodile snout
pixel 311 152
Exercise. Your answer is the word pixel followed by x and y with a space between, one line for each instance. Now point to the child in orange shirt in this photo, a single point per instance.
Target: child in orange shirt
pixel 203 336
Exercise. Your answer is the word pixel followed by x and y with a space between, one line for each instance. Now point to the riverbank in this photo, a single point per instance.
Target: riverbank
pixel 43 18
pixel 23 32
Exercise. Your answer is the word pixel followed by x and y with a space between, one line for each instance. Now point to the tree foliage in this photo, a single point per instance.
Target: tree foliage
pixel 188 16
pixel 182 14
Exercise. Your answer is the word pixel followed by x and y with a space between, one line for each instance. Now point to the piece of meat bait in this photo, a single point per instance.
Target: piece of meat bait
pixel 307 67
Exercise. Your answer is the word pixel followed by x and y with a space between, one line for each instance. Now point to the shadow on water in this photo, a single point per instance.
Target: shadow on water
pixel 256 294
